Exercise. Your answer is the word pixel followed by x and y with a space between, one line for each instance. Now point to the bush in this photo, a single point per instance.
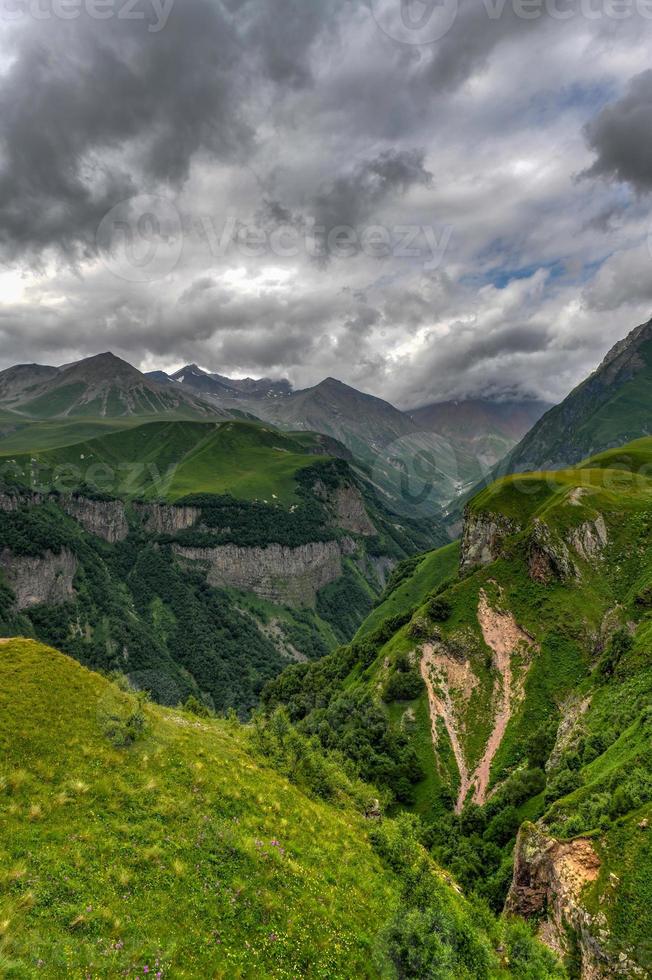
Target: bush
pixel 621 644
pixel 403 686
pixel 196 707
pixel 123 720
pixel 439 610
pixel 419 628
pixel 565 782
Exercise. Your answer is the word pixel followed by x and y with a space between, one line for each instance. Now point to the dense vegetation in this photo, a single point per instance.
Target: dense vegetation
pixel 574 571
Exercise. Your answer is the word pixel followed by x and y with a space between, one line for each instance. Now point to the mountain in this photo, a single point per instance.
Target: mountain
pixel 103 386
pixel 226 389
pixel 487 429
pixel 173 844
pixel 612 407
pixel 204 556
pixel 511 695
pixel 22 380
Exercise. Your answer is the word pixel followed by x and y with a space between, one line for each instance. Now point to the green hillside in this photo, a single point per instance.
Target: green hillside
pixel 411 582
pixel 609 409
pixel 518 692
pixel 83 569
pixel 141 841
pixel 163 460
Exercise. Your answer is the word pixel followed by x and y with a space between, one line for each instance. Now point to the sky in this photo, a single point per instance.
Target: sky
pixel 427 200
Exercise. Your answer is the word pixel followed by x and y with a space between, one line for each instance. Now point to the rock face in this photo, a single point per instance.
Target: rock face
pixel 34 581
pixel 482 538
pixel 164 519
pixel 105 519
pixel 350 513
pixel 590 539
pixel 290 576
pixel 549 879
pixel 548 558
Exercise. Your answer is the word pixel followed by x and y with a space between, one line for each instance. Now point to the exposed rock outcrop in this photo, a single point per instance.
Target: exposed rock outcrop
pixel 105 519
pixel 450 681
pixel 483 536
pixel 590 539
pixel 548 557
pixel 570 726
pixel 347 508
pixel 290 576
pixel 549 880
pixel 166 519
pixel 34 581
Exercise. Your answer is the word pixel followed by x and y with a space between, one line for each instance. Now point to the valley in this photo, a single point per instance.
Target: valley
pixel 255 596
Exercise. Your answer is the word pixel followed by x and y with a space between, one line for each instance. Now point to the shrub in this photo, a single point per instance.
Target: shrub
pixel 419 628
pixel 439 610
pixel 403 686
pixel 124 721
pixel 620 645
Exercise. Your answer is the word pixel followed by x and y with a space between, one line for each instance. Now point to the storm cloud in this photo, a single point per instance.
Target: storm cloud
pixel 509 274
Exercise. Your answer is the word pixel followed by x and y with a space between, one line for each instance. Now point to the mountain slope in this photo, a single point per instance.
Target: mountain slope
pixel 142 841
pixel 98 387
pixel 612 407
pixel 518 696
pixel 200 556
pixel 487 429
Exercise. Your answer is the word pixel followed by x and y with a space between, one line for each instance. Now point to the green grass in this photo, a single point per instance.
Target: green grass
pixel 160 460
pixel 435 568
pixel 30 437
pixel 112 859
pixel 180 854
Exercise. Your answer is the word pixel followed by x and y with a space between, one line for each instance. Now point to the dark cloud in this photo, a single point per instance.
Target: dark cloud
pixel 621 136
pixel 91 112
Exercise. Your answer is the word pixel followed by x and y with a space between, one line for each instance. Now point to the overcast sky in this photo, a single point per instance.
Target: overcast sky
pixel 426 201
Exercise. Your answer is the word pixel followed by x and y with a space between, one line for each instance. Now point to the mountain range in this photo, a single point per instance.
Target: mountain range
pixel 446 448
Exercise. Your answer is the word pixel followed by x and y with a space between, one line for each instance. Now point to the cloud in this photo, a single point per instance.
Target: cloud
pixel 288 112
pixel 621 137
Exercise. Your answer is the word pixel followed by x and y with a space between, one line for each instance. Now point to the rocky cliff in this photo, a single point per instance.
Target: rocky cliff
pixel 289 576
pixel 165 519
pixel 550 879
pixel 35 581
pixel 105 519
pixel 347 508
pixel 482 538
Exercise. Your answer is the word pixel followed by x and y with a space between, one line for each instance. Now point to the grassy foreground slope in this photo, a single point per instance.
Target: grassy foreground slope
pixel 141 841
